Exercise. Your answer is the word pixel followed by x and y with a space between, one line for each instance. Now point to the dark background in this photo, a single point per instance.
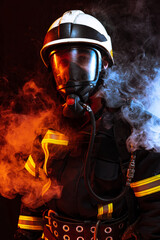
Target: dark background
pixel 133 26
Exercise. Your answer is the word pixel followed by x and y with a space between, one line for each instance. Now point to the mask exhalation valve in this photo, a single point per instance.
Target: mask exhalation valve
pixel 72 107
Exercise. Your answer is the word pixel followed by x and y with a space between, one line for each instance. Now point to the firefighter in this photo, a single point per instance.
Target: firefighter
pixel 107 192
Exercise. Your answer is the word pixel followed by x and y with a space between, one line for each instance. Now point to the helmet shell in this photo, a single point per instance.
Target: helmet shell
pixel 79 28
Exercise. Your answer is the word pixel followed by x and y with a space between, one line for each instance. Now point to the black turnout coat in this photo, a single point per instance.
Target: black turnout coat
pixel 109 163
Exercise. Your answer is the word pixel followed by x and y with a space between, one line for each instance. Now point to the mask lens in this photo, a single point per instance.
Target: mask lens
pixel 74 64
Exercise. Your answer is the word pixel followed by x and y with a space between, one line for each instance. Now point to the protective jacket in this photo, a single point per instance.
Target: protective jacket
pixel 76 215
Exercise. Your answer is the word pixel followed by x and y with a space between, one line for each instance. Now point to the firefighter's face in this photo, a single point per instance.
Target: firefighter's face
pixel 74 64
pixel 76 72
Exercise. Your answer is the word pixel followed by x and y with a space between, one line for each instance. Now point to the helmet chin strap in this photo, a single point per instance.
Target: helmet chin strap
pixel 72 107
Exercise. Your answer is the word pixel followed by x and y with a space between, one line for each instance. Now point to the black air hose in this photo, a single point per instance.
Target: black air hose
pixel 87 167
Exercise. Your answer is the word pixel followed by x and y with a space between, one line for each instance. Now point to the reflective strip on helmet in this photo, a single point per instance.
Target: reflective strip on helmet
pixel 47 48
pixel 111 53
pixel 76 27
pixel 69 30
pixel 146 186
pixel 106 210
pixel 30 223
pixel 53 137
pixel 30 166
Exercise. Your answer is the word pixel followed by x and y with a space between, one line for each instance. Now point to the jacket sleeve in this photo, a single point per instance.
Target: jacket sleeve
pixel 146 187
pixel 30 224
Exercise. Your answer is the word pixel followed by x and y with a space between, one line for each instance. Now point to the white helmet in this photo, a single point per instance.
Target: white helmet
pixel 77 27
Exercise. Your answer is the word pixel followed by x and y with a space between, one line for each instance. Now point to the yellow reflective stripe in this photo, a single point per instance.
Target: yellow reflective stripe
pixel 147 192
pixel 55 138
pixel 146 186
pixel 46 187
pixel 43 237
pixel 100 211
pixel 145 181
pixel 105 210
pixel 45 149
pixel 46 152
pixel 55 135
pixel 30 227
pixel 29 218
pixel 30 166
pixel 110 208
pixel 55 141
pixel 50 137
pixel 30 222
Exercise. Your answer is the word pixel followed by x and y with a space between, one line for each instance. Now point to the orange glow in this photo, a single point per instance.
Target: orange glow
pixel 19 132
pixel 18 165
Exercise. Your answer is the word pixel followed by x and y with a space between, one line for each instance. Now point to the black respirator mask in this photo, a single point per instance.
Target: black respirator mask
pixel 76 73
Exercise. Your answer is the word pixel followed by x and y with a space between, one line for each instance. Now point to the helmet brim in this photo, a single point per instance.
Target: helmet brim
pixel 48 47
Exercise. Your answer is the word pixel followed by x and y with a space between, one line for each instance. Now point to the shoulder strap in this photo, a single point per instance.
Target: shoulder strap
pixel 122 131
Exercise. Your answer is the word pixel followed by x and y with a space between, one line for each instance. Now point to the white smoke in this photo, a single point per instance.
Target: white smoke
pixel 148 134
pixel 152 99
pixel 140 101
pixel 133 82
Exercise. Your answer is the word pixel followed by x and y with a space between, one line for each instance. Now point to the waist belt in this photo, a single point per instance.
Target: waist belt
pixel 59 228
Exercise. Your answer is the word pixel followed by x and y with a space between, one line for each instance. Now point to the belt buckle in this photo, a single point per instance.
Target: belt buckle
pixel 49 218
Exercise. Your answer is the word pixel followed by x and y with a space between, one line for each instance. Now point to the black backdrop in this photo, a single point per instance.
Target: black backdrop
pixel 23 27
